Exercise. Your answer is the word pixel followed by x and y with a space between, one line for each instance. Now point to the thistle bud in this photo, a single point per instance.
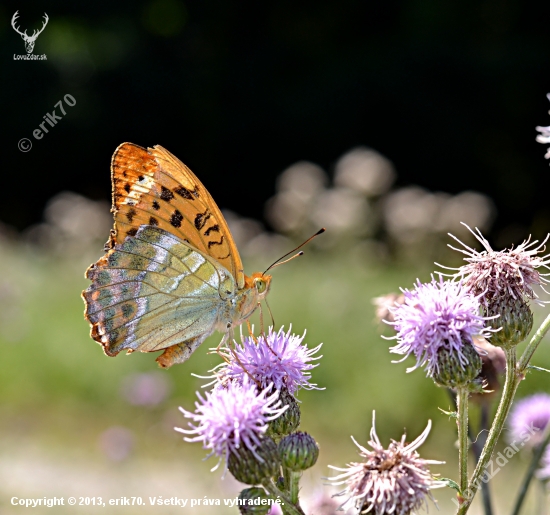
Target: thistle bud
pixel 515 321
pixel 289 421
pixel 298 451
pixel 451 372
pixel 254 467
pixel 254 501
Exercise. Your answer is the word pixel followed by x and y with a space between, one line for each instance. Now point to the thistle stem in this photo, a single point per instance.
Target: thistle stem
pixel 462 423
pixel 287 506
pixel 533 344
pixel 510 387
pixel 537 455
pixel 515 372
pixel 294 486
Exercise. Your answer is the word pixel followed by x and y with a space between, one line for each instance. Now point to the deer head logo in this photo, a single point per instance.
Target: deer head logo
pixel 29 40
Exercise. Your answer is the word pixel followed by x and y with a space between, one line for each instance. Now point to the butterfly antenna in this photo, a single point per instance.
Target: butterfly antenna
pixel 277 263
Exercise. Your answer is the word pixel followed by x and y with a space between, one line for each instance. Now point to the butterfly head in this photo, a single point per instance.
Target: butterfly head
pixel 261 283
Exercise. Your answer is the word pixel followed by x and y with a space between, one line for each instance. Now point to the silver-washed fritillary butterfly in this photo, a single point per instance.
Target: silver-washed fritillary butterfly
pixel 171 274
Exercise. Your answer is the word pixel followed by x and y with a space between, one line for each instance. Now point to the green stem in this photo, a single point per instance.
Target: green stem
pixel 288 507
pixel 294 486
pixel 537 455
pixel 462 423
pixel 510 386
pixel 533 344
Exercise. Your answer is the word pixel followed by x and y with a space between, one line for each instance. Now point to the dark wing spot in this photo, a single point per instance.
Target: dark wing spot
pixel 176 218
pixel 211 243
pixel 156 205
pixel 140 178
pixel 132 231
pixel 130 214
pixel 187 194
pixel 127 187
pixel 224 257
pixel 166 194
pixel 153 221
pixel 131 202
pixel 127 310
pixel 214 228
pixel 200 219
pixel 124 173
pixel 184 192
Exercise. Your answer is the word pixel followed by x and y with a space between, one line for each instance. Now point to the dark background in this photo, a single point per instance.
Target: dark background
pixel 451 92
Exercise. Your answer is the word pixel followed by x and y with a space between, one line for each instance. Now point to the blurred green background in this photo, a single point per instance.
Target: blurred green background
pixel 447 95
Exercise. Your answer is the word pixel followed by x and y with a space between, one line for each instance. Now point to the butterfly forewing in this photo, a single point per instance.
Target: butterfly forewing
pixel 153 187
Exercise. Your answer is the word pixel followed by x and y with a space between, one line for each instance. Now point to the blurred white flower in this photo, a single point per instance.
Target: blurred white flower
pixel 71 223
pixel 297 188
pixel 303 178
pixel 412 214
pixel 342 210
pixel 366 171
pixel 470 207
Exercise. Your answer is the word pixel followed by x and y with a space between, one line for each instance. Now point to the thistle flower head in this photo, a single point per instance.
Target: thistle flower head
pixel 277 358
pixel 232 416
pixel 544 136
pixel 495 276
pixel 436 317
pixel 395 480
pixel 529 419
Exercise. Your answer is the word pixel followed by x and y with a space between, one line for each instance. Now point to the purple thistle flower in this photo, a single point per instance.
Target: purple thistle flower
pixel 278 358
pixel 544 136
pixel 529 418
pixel 435 316
pixel 544 472
pixel 394 480
pixel 232 415
pixel 494 275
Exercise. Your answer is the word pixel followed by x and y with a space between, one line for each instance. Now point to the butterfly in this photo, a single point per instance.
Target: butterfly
pixel 171 274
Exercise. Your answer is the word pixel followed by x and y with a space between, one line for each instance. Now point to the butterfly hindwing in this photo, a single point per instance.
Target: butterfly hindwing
pixel 153 187
pixel 154 291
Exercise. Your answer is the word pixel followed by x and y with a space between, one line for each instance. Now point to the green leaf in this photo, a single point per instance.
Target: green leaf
pixel 538 368
pixel 451 484
pixel 452 414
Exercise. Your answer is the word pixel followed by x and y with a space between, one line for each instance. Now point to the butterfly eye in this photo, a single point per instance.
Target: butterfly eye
pixel 260 285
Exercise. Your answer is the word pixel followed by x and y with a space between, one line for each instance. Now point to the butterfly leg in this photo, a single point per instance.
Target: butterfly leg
pixel 251 332
pixel 228 337
pixel 262 328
